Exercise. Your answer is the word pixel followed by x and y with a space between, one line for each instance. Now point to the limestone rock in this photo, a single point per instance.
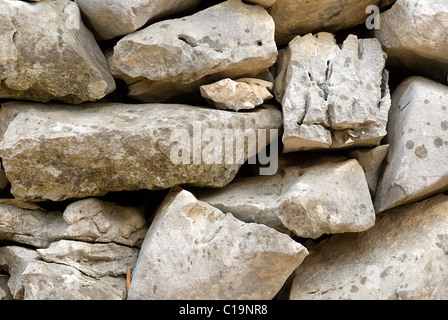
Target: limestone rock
pixel 299 17
pixel 5 293
pixel 404 256
pixel 194 251
pixel 51 152
pixel 117 17
pixel 328 197
pixel 90 220
pixel 413 33
pixel 48 54
pixel 32 279
pixel 371 160
pixel 93 259
pixel 264 3
pixel 332 97
pixel 417 160
pixel 228 40
pixel 241 94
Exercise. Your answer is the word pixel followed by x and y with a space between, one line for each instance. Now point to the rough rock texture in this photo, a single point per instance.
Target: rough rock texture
pixel 332 97
pixel 194 251
pixel 417 158
pixel 114 18
pixel 404 256
pixel 309 200
pixel 48 54
pixel 241 94
pixel 299 17
pixel 228 40
pixel 51 152
pixel 33 279
pixel 413 33
pixel 371 160
pixel 91 220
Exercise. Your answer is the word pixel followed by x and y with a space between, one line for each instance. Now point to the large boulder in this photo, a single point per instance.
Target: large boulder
pixel 332 97
pixel 194 251
pixel 228 40
pixel 328 196
pixel 114 18
pixel 413 33
pixel 51 152
pixel 417 162
pixel 403 257
pixel 48 54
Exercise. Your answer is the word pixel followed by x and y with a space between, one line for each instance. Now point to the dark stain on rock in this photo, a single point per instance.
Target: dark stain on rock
pixel 438 142
pixel 421 152
pixel 444 125
pixel 409 144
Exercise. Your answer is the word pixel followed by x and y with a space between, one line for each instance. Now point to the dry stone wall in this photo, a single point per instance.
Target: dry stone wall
pixel 191 150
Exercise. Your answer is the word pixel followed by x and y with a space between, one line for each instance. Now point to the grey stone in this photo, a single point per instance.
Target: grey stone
pixel 299 17
pixel 114 18
pixel 228 40
pixel 239 94
pixel 310 200
pixel 371 160
pixel 413 33
pixel 417 159
pixel 403 257
pixel 48 54
pixel 93 259
pixel 90 220
pixel 332 97
pixel 33 279
pixel 194 251
pixel 51 152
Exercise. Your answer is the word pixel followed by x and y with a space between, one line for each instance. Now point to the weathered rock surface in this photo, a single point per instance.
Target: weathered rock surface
pixel 299 17
pixel 240 94
pixel 413 33
pixel 371 160
pixel 194 251
pixel 264 3
pixel 33 279
pixel 51 152
pixel 309 200
pixel 93 259
pixel 404 256
pixel 228 40
pixel 117 17
pixel 417 159
pixel 91 220
pixel 48 54
pixel 332 97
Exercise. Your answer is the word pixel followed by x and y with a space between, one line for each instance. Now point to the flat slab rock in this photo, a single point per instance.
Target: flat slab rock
pixel 403 257
pixel 52 152
pixel 48 54
pixel 417 162
pixel 229 40
pixel 332 97
pixel 91 220
pixel 329 196
pixel 194 251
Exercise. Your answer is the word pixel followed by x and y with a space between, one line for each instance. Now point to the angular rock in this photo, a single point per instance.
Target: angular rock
pixel 241 94
pixel 93 259
pixel 51 152
pixel 32 279
pixel 90 220
pixel 299 17
pixel 309 200
pixel 228 40
pixel 417 160
pixel 371 160
pixel 413 33
pixel 194 251
pixel 114 18
pixel 48 54
pixel 332 97
pixel 403 257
